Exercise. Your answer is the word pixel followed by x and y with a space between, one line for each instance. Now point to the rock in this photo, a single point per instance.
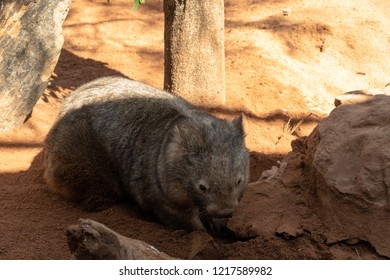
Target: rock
pixel 348 160
pixel 90 240
pixel 30 44
pixel 353 154
pixel 335 182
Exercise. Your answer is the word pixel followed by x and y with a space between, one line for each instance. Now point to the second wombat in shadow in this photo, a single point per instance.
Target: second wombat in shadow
pixel 119 139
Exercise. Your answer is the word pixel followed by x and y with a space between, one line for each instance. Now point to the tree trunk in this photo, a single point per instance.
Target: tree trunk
pixel 194 51
pixel 30 44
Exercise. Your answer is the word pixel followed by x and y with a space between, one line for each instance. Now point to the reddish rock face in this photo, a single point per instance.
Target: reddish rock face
pixel 353 154
pixel 335 181
pixel 349 159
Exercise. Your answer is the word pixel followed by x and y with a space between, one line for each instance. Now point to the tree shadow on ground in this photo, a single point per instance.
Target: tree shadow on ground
pixel 295 35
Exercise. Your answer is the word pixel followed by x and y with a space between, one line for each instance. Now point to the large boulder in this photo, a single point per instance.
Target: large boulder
pixel 349 165
pixel 335 182
pixel 30 44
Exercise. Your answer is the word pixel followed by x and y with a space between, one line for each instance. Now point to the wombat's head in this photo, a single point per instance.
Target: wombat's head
pixel 209 160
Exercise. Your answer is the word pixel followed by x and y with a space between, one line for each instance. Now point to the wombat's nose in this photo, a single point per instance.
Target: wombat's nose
pixel 225 213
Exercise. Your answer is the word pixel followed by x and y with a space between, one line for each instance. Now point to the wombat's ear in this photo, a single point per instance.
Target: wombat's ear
pixel 238 123
pixel 177 133
pixel 189 136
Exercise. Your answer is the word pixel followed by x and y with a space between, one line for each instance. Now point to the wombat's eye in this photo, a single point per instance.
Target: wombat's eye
pixel 202 186
pixel 239 181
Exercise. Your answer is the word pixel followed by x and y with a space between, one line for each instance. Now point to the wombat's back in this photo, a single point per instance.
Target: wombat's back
pixel 107 89
pixel 103 129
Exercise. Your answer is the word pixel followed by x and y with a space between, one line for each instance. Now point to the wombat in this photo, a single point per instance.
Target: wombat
pixel 117 139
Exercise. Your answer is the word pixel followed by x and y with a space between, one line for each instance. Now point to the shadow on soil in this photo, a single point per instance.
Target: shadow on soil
pixel 83 71
pixel 37 217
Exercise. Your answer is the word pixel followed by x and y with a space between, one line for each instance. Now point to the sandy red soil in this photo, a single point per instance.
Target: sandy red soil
pixel 285 60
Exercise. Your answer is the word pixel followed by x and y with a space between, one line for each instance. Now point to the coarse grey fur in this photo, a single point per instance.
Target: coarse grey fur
pixel 117 139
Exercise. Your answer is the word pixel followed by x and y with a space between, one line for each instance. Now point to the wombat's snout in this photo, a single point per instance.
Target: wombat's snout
pixel 222 210
pixel 224 213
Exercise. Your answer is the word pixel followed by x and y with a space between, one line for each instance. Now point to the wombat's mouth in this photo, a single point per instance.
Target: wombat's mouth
pixel 214 223
pixel 225 213
pixel 207 216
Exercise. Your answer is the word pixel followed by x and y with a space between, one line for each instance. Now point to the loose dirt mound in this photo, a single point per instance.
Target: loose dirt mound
pixel 285 60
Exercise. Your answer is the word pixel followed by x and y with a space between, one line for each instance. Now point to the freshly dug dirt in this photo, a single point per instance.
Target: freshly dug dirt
pixel 285 61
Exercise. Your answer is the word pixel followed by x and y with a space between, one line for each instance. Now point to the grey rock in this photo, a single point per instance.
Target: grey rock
pixel 30 44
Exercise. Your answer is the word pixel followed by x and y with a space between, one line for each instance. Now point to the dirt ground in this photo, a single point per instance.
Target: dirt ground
pixel 285 61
